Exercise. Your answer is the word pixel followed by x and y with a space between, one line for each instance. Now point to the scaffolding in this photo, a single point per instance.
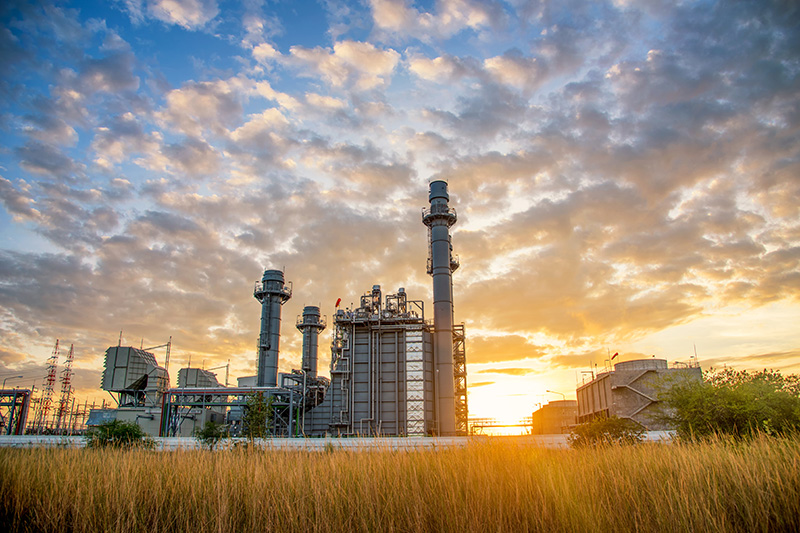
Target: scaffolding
pixel 285 408
pixel 460 377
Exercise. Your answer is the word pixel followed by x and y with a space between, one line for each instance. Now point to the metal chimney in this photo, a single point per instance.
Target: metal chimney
pixel 439 218
pixel 310 324
pixel 272 294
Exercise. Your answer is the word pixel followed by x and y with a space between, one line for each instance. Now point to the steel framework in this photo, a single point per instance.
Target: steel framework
pixel 460 377
pixel 182 404
pixel 14 405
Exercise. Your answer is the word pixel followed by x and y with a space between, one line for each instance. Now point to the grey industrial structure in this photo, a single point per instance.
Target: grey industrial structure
pixel 555 417
pixel 393 373
pixel 631 391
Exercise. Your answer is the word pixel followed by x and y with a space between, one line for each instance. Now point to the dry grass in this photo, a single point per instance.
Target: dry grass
pixel 496 486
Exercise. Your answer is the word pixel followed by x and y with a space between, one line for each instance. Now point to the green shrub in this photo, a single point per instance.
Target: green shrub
pixel 117 434
pixel 735 403
pixel 258 415
pixel 211 433
pixel 604 431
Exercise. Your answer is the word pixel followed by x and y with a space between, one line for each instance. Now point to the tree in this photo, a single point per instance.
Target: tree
pixel 737 403
pixel 117 434
pixel 604 431
pixel 257 412
pixel 211 433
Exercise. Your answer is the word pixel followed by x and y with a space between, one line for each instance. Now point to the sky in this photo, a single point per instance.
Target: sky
pixel 626 176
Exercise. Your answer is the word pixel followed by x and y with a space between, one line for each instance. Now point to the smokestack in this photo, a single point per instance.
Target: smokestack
pixel 439 218
pixel 272 294
pixel 310 325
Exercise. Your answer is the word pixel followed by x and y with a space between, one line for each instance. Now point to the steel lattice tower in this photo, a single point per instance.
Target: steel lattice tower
pixel 66 386
pixel 49 386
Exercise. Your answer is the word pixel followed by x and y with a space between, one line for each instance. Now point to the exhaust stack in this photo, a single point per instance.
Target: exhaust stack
pixel 310 324
pixel 441 265
pixel 272 293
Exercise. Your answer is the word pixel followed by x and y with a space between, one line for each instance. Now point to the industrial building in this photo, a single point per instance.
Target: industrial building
pixel 554 417
pixel 631 391
pixel 382 370
pixel 197 377
pixel 139 385
pixel 393 371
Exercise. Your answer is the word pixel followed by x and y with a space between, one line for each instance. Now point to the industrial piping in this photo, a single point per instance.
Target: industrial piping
pixel 272 293
pixel 439 218
pixel 310 326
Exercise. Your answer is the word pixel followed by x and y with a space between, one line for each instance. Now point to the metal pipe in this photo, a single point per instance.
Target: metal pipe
pixel 439 218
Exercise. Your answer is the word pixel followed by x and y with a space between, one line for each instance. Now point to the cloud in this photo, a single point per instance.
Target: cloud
pixel 500 348
pixel 18 202
pixel 507 371
pixel 350 64
pixel 121 139
pixel 515 70
pixel 189 14
pixel 401 19
pixel 112 73
pixel 47 160
pixel 360 65
pixel 265 52
pixel 441 69
pixel 198 107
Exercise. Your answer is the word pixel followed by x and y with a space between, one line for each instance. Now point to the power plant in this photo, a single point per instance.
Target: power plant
pixel 393 371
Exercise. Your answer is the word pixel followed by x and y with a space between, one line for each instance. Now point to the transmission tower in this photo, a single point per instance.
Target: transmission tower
pixel 49 385
pixel 66 388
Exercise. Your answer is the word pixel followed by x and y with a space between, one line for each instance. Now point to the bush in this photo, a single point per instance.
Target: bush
pixel 257 415
pixel 211 433
pixel 735 403
pixel 117 434
pixel 605 431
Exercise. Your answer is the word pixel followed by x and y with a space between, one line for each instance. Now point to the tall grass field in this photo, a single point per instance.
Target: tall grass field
pixel 493 486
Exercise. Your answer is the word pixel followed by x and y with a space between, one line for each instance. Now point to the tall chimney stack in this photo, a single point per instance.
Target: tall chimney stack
pixel 441 264
pixel 272 294
pixel 310 325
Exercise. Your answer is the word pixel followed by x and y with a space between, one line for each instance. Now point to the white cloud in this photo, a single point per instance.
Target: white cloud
pixel 189 14
pixel 286 101
pixel 450 17
pixel 325 102
pixel 265 52
pixel 204 106
pixel 515 70
pixel 438 69
pixel 360 65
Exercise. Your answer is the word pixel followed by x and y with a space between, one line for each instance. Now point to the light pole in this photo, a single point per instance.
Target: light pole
pixel 12 377
pixel 563 397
